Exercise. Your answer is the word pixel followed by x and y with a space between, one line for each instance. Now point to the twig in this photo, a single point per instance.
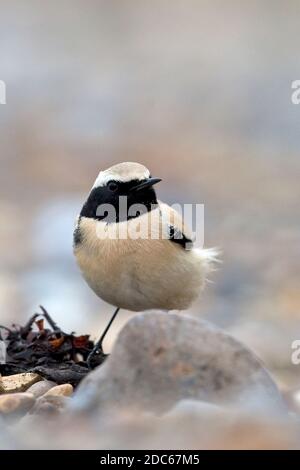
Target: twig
pixel 51 322
pixel 29 324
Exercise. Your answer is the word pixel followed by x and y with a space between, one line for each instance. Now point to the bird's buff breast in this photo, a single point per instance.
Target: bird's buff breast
pixel 114 267
pixel 136 274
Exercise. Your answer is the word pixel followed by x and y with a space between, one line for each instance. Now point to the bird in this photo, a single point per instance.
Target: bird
pixel 140 255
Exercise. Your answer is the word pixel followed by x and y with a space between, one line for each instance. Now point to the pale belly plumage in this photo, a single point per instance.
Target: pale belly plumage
pixel 140 274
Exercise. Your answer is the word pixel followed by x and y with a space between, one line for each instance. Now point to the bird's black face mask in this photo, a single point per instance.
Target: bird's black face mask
pixel 120 201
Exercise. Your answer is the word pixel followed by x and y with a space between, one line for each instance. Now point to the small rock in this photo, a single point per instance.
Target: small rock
pixel 50 404
pixel 64 390
pixel 19 382
pixel 40 388
pixel 160 359
pixel 16 403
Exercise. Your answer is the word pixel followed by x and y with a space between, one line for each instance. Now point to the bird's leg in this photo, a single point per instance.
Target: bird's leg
pixel 98 345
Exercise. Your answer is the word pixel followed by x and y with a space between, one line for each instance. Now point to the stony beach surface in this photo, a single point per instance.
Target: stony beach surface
pixel 170 381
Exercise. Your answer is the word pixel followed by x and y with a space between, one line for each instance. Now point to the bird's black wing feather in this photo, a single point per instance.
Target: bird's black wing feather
pixel 176 236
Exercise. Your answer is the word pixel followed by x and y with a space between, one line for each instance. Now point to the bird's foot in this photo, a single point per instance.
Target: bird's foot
pixel 96 357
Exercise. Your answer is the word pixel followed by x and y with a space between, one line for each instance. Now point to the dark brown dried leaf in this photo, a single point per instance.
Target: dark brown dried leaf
pixel 51 352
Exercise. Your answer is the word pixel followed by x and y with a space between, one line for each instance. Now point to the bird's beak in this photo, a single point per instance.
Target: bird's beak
pixel 145 184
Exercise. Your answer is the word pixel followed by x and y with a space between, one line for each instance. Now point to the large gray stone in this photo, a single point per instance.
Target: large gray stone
pixel 160 359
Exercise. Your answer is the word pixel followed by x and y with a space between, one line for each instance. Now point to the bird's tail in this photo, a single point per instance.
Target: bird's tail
pixel 210 258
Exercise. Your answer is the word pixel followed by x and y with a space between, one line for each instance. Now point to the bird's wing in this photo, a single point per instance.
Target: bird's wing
pixel 174 227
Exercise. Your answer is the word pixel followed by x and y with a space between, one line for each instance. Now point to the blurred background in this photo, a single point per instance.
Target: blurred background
pixel 200 92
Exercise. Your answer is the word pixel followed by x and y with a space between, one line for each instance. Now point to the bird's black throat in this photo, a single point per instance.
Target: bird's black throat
pixel 120 205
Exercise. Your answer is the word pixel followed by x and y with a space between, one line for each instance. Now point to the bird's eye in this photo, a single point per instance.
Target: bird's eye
pixel 112 186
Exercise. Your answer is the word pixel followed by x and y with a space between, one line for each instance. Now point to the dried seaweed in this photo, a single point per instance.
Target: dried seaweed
pixel 49 351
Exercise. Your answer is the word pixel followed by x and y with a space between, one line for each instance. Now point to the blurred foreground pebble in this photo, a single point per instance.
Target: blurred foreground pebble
pixel 13 403
pixel 64 390
pixel 41 396
pixel 50 405
pixel 40 388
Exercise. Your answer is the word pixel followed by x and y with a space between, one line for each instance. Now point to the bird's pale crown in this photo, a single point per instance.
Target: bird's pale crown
pixel 123 172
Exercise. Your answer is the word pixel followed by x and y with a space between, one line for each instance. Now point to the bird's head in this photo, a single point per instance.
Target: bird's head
pixel 129 180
